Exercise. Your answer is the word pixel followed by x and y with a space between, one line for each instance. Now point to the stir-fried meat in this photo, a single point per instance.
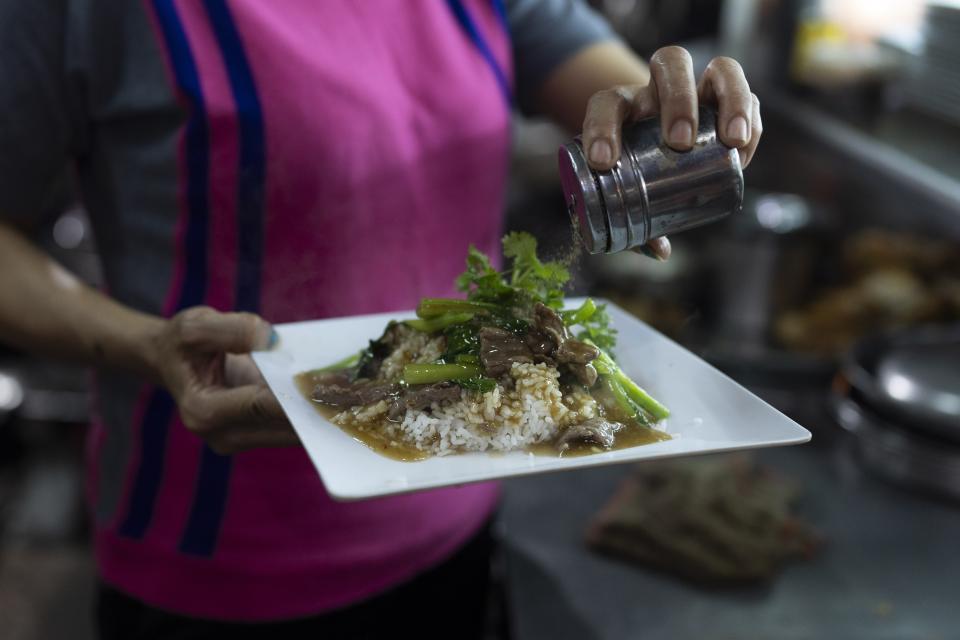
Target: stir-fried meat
pixel 586 374
pixel 548 322
pixel 547 341
pixel 540 345
pixel 499 349
pixel 596 431
pixel 421 397
pixel 575 354
pixel 424 396
pixel 337 390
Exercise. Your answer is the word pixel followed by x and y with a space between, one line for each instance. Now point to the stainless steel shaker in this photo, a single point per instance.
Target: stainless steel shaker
pixel 653 190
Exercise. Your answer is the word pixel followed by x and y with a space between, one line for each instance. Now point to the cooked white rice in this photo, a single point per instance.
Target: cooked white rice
pixel 503 419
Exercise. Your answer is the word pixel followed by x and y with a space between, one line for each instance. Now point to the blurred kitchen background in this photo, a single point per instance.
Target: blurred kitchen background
pixel 835 296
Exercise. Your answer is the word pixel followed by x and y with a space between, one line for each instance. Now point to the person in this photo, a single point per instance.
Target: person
pixel 251 161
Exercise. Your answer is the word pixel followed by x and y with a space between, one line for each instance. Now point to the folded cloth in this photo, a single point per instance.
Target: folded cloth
pixel 717 520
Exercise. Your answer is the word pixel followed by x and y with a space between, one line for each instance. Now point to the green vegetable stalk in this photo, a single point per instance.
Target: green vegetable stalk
pixel 433 307
pixel 349 361
pixel 623 388
pixel 436 323
pixel 429 373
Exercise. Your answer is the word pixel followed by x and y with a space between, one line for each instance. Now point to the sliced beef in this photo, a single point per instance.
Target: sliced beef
pixel 550 323
pixel 586 374
pixel 575 354
pixel 499 349
pixel 596 431
pixel 541 346
pixel 337 390
pixel 421 397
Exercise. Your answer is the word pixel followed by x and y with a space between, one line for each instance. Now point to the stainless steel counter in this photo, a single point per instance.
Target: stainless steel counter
pixel 890 567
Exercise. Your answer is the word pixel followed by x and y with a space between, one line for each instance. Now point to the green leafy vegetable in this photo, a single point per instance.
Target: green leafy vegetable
pixel 541 281
pixel 527 281
pixel 481 281
pixel 461 339
pixel 581 314
pixel 482 384
pixel 596 329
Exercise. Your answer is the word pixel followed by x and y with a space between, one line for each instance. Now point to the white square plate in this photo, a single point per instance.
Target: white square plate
pixel 710 412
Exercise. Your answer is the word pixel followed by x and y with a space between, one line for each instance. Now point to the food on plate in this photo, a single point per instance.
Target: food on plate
pixel 506 368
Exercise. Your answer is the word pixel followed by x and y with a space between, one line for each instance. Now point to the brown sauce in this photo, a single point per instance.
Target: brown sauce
pixel 367 436
pixel 633 434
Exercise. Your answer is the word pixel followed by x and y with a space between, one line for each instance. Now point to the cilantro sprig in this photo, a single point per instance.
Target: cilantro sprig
pixel 527 280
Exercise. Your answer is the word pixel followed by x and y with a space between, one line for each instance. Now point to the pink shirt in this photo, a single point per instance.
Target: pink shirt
pixel 337 159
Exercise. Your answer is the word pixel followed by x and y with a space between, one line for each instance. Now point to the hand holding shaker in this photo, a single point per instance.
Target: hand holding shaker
pixel 653 190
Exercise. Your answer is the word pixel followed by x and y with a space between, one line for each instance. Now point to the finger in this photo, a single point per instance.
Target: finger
pixel 606 112
pixel 207 330
pixel 724 84
pixel 747 152
pixel 657 248
pixel 671 69
pixel 252 407
pixel 240 370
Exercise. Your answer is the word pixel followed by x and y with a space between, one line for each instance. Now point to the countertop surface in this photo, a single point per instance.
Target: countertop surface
pixel 890 567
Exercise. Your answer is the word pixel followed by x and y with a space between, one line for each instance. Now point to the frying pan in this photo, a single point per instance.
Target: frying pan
pixel 911 377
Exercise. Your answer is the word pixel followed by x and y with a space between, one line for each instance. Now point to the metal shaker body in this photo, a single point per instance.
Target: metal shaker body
pixel 653 190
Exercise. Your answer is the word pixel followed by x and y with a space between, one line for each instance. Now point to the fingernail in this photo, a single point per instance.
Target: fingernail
pixel 681 134
pixel 601 152
pixel 737 130
pixel 266 337
pixel 274 338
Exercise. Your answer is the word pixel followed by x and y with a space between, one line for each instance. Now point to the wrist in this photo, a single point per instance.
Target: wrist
pixel 133 344
pixel 146 340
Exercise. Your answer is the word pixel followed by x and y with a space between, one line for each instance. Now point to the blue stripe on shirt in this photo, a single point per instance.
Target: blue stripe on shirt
pixel 160 406
pixel 213 482
pixel 466 22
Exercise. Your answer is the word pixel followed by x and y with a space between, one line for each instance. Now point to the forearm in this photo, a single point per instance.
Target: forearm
pixel 45 309
pixel 566 91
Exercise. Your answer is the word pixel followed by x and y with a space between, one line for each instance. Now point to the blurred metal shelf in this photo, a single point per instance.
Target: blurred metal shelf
pixel 874 159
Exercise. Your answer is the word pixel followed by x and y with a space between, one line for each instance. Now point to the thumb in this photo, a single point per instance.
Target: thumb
pixel 204 329
pixel 657 248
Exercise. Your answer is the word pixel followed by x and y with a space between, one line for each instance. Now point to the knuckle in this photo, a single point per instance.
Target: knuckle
pixel 755 100
pixel 680 98
pixel 258 407
pixel 598 99
pixel 197 415
pixel 261 406
pixel 603 100
pixel 596 124
pixel 188 324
